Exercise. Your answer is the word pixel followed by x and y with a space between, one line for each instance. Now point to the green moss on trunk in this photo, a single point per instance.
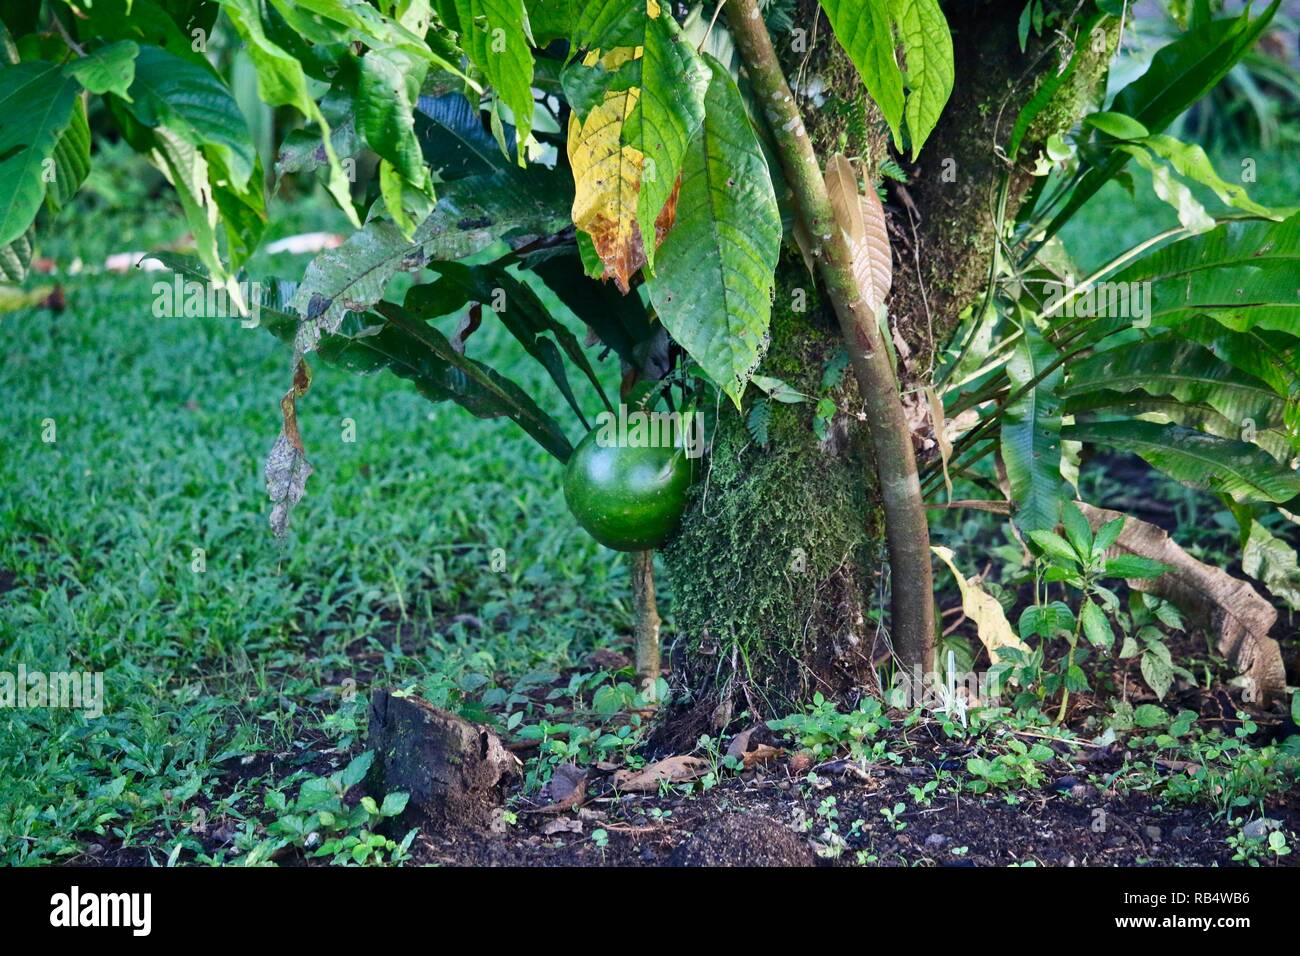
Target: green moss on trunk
pixel 771 571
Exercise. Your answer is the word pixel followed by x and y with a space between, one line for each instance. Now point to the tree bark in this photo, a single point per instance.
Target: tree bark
pixel 777 575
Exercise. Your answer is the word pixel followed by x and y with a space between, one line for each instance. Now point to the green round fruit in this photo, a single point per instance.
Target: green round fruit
pixel 628 499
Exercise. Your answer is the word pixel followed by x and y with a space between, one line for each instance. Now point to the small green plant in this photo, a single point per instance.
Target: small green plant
pixel 1078 561
pixel 321 822
pixel 824 730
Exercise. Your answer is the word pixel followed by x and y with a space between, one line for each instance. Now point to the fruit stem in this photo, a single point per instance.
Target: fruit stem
pixel 647 624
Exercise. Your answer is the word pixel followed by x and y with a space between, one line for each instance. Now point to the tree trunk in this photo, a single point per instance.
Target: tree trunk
pixel 777 576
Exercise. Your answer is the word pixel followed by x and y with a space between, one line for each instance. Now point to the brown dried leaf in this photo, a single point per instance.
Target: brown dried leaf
pixel 566 790
pixel 1211 599
pixel 287 468
pixel 862 218
pixel 682 768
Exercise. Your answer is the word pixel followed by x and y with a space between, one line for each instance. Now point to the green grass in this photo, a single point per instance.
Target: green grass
pixel 162 429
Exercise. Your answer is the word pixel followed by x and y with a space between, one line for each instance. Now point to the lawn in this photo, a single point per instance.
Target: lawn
pixel 134 542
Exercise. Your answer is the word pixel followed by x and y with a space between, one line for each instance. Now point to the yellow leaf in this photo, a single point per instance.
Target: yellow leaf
pixel 982 608
pixel 607 181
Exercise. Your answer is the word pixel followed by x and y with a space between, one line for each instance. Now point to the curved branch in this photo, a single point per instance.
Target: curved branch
pixel 906 530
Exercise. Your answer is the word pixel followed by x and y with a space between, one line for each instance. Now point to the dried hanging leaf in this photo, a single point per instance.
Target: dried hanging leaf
pixel 940 426
pixel 287 468
pixel 682 768
pixel 991 622
pixel 862 218
pixel 1210 598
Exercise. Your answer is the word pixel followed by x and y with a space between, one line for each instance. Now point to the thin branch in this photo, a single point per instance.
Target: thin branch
pixel 906 531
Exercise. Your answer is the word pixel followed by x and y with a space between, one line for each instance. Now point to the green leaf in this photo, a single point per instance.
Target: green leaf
pixel 1107 535
pixel 927 50
pixel 37 102
pixel 714 284
pixel 387 90
pixel 1054 547
pixel 107 69
pixel 195 105
pixel 71 158
pixel 494 36
pixel 356 770
pixel 1191 214
pixel 15 258
pixel 1181 72
pixel 1157 672
pixel 1190 161
pixel 1202 461
pixel 1117 125
pixel 1077 530
pixel 1149 715
pixel 1242 274
pixel 1184 370
pixel 1046 620
pixel 1095 626
pixel 1031 434
pixel 1130 566
pixel 394 803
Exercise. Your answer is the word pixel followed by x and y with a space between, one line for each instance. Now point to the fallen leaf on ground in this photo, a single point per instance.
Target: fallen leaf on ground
pixel 682 768
pixel 566 789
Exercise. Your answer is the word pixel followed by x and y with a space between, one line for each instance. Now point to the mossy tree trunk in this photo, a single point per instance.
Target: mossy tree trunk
pixel 779 576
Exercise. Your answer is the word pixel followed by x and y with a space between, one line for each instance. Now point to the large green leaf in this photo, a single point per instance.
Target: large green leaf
pixel 1031 434
pixel 927 49
pixel 396 342
pixel 1244 273
pixel 37 102
pixel 281 81
pixel 1271 437
pixel 1184 370
pixel 387 90
pixel 471 214
pixel 670 106
pixel 1180 73
pixel 495 37
pixel 1203 461
pixel 195 105
pixel 867 32
pixel 714 285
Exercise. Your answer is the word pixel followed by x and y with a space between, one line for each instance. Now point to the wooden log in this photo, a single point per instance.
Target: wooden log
pixel 456 771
